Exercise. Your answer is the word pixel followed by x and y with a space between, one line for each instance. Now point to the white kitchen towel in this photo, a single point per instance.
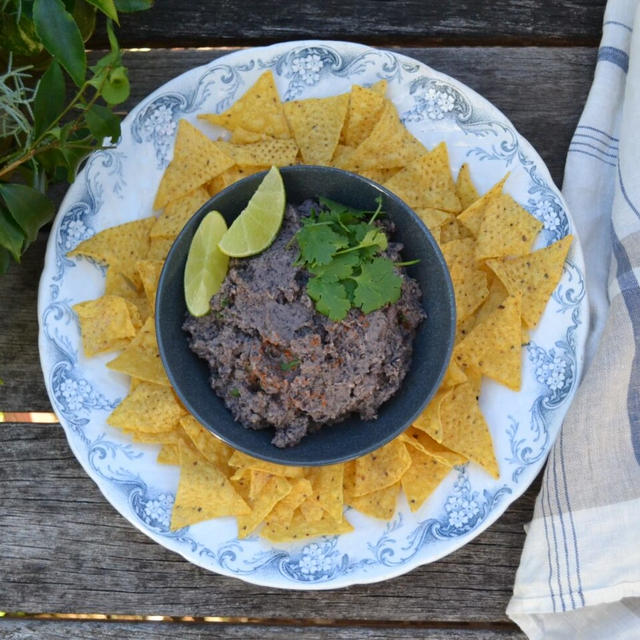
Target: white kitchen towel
pixel 579 575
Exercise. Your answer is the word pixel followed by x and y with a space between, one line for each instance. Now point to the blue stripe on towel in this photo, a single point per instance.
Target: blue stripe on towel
pixel 555 543
pixel 604 143
pixel 614 55
pixel 625 194
pixel 604 133
pixel 618 24
pixel 591 146
pixel 630 290
pixel 546 535
pixel 570 512
pixel 593 155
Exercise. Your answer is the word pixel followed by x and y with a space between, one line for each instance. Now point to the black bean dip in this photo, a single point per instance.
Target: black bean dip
pixel 277 362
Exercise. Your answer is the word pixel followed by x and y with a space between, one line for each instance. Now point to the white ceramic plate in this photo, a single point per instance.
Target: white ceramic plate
pixel 118 185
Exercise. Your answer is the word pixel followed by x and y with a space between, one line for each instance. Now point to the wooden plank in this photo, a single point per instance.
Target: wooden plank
pixel 174 23
pixel 15 629
pixel 541 90
pixel 64 549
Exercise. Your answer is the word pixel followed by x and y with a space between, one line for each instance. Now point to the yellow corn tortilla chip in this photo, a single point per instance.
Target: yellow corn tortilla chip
pixel 212 448
pixel 257 482
pixel 453 375
pixel 273 491
pixel 141 358
pixel 429 420
pixel 105 324
pixel 169 454
pixel 149 271
pixel 471 217
pixel 316 124
pixel 178 212
pixel 282 513
pixel 433 218
pixel 493 346
pixel 465 189
pixel 381 468
pixel 453 230
pixel 348 480
pixel 497 295
pixel 463 327
pixel 327 483
pixel 242 460
pixel 311 510
pixel 258 110
pixel 162 437
pixel 149 408
pixel 422 441
pixel 341 155
pixel 204 492
pixel 378 504
pixel 427 182
pixel 465 430
pixel 379 175
pixel 422 478
pixel 302 529
pixel 389 145
pixel 116 284
pixel 196 160
pixel 119 247
pixel 535 276
pixel 365 107
pixel 469 287
pixel 159 247
pixel 264 153
pixel 460 252
pixel 506 229
pixel 244 136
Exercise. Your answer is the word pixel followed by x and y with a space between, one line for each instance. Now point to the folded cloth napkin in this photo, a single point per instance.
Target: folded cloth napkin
pixel 579 575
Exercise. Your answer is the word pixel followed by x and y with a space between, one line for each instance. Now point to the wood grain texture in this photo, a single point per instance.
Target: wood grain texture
pixel 69 630
pixel 176 23
pixel 541 90
pixel 63 548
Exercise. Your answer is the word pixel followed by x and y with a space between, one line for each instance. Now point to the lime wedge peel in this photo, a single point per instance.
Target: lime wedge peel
pixel 206 266
pixel 258 224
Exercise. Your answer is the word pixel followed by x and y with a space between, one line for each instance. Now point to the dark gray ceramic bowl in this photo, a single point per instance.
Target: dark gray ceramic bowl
pixel 353 437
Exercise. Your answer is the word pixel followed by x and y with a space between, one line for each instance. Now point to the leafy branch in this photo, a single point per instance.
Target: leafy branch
pixel 45 130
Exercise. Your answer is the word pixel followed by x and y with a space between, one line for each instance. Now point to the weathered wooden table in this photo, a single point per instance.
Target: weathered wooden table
pixel 64 550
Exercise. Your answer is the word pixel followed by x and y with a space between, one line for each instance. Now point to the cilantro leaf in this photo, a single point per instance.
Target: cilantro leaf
pixel 330 297
pixel 318 243
pixel 339 268
pixel 378 284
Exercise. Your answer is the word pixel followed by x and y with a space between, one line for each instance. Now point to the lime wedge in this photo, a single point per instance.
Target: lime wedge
pixel 206 266
pixel 258 224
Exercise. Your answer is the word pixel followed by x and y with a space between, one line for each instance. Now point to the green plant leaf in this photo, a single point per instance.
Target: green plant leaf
pixel 129 6
pixel 116 87
pixel 85 16
pixel 103 123
pixel 5 258
pixel 49 98
pixel 11 236
pixel 107 7
pixel 61 37
pixel 28 207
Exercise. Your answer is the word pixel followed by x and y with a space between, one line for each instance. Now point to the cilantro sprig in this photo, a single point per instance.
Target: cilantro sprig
pixel 341 247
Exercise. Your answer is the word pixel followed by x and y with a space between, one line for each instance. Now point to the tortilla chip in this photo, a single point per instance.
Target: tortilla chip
pixel 494 347
pixel 535 276
pixel 196 160
pixel 169 454
pixel 282 513
pixel 381 468
pixel 453 375
pixel 273 491
pixel 465 430
pixel 311 510
pixel 327 488
pixel 389 145
pixel 119 247
pixel 244 136
pixel 470 289
pixel 379 175
pixel 341 155
pixel 460 253
pixel 365 107
pixel 149 271
pixel 429 420
pixel 465 190
pixel 149 408
pixel 471 217
pixel 316 124
pixel 463 327
pixel 204 492
pixel 378 504
pixel 497 295
pixel 264 153
pixel 105 324
pixel 178 212
pixel 242 460
pixel 453 230
pixel 422 478
pixel 116 284
pixel 422 441
pixel 433 218
pixel 506 229
pixel 427 182
pixel 302 529
pixel 141 358
pixel 159 248
pixel 258 110
pixel 213 449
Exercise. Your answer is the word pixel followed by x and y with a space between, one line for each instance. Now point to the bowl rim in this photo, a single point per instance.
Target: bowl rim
pixel 275 456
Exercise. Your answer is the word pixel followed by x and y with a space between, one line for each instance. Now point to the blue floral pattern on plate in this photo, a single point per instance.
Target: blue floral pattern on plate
pixel 434 107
